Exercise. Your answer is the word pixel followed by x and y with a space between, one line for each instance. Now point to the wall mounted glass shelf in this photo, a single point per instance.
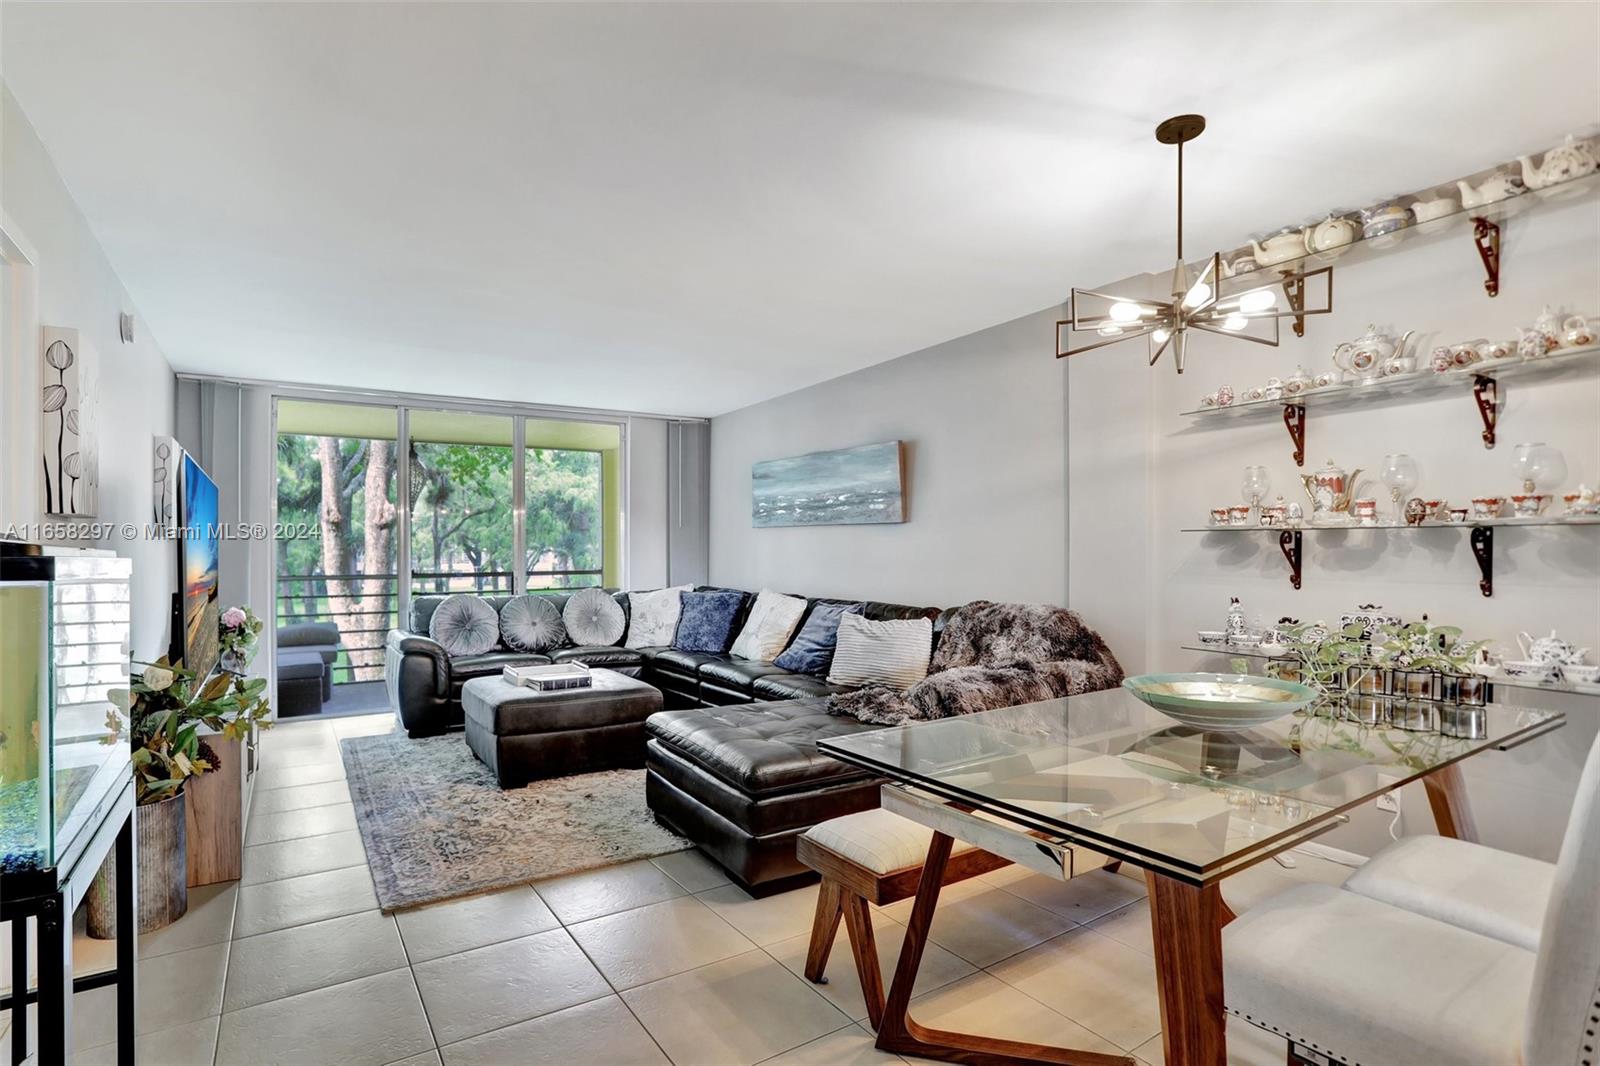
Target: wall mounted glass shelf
pixel 1541 520
pixel 1480 380
pixel 1463 220
pixel 1417 385
pixel 1291 539
pixel 1494 679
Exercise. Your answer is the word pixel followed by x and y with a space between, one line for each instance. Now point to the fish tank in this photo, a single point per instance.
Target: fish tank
pixel 65 635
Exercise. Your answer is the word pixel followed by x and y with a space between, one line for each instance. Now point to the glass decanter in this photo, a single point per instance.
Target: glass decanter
pixel 1399 472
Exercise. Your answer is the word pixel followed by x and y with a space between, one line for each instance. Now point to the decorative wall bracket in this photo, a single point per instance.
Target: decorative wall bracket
pixel 1294 418
pixel 1486 235
pixel 1486 393
pixel 1290 543
pixel 1294 290
pixel 1483 551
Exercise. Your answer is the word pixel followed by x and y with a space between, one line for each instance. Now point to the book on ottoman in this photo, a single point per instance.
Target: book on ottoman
pixel 552 678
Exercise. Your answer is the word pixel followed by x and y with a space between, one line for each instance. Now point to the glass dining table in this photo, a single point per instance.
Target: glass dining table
pixel 1103 773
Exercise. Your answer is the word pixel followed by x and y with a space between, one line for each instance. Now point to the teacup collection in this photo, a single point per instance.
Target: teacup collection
pixel 1380 358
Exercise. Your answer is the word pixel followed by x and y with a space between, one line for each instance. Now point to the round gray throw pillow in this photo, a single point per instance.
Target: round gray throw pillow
pixel 465 625
pixel 594 617
pixel 531 623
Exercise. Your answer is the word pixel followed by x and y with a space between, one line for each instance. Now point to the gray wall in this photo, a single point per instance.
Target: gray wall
pixel 982 418
pixel 1141 471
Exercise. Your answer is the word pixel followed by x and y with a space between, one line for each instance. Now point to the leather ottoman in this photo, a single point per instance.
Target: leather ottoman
pixel 523 734
pixel 303 683
pixel 745 781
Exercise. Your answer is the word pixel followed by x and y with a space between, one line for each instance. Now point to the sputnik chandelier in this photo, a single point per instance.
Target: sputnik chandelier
pixel 1196 304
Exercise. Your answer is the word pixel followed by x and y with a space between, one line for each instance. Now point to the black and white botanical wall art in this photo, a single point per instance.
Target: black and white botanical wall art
pixel 67 437
pixel 165 499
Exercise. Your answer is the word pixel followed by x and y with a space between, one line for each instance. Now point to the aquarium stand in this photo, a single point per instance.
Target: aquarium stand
pixel 49 896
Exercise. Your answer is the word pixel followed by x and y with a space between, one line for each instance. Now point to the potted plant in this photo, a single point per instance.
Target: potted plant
pixel 167 706
pixel 1431 662
pixel 1317 656
pixel 238 630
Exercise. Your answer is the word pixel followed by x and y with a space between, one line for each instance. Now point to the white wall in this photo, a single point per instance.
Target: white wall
pixel 78 288
pixel 1149 587
pixel 983 425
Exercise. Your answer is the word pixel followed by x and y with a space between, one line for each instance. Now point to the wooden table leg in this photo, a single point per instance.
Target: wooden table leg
pixel 1447 795
pixel 899 1033
pixel 1187 925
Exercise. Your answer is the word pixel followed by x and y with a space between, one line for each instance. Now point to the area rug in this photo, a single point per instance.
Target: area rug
pixel 436 826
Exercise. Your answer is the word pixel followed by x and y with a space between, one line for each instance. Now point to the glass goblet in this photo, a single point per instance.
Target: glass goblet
pixel 1255 485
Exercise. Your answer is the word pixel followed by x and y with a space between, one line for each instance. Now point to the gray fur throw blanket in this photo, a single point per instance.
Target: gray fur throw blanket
pixel 994 655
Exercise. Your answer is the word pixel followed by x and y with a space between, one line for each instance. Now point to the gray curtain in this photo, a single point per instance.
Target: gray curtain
pixel 688 503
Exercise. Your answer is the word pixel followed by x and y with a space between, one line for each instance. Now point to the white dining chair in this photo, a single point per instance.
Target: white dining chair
pixel 1365 980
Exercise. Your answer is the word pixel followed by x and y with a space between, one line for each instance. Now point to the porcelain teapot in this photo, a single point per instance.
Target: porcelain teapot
pixel 1566 161
pixel 1369 355
pixel 1551 649
pixel 1497 186
pixel 1335 231
pixel 1330 489
pixel 1288 243
pixel 1437 207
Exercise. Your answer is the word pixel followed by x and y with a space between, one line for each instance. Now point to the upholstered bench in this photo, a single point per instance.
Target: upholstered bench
pixel 522 733
pixel 871 857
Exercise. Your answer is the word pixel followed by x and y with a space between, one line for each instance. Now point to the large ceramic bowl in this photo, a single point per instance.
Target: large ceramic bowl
pixel 1221 701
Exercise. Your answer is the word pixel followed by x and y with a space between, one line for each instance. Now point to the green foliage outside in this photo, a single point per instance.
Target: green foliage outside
pixel 461 528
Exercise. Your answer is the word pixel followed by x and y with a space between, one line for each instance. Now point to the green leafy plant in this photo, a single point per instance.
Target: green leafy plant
pixel 1424 646
pixel 166 706
pixel 1316 655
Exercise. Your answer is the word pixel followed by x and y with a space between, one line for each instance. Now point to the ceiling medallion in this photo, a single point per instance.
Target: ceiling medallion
pixel 1195 304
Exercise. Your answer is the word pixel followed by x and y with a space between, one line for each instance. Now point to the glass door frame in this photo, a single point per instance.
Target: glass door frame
pixel 403 404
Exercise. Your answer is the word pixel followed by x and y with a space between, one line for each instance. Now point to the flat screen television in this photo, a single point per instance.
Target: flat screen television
pixel 194 634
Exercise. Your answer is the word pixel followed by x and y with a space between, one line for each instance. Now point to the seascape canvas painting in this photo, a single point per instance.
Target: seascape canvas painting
pixel 850 486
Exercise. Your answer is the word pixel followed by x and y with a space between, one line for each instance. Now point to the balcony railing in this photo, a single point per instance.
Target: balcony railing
pixel 363 628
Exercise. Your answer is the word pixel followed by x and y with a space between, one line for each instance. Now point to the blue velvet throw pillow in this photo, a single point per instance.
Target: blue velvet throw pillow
pixel 705 622
pixel 811 651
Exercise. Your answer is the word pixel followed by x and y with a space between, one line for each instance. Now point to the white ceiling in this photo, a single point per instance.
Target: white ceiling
pixel 686 209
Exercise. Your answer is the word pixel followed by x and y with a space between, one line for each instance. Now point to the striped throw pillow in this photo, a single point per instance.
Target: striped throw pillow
pixel 893 652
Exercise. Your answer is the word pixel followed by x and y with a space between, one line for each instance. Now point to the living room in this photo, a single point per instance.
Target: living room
pixel 718 533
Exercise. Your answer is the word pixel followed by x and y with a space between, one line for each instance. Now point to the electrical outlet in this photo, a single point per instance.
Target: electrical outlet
pixel 1389 803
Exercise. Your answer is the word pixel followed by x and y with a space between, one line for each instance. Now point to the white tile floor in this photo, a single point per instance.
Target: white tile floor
pixel 648 962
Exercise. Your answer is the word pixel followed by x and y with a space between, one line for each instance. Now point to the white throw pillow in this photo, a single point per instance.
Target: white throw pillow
pixel 770 625
pixel 893 652
pixel 653 616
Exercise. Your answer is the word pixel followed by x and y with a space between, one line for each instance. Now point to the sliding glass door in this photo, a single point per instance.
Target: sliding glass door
pixel 571 500
pixel 462 529
pixel 336 552
pixel 379 504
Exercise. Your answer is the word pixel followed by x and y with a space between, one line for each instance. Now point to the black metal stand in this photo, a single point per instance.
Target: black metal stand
pixel 49 897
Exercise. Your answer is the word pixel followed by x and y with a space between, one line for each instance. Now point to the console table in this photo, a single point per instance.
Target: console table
pixel 49 896
pixel 1107 773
